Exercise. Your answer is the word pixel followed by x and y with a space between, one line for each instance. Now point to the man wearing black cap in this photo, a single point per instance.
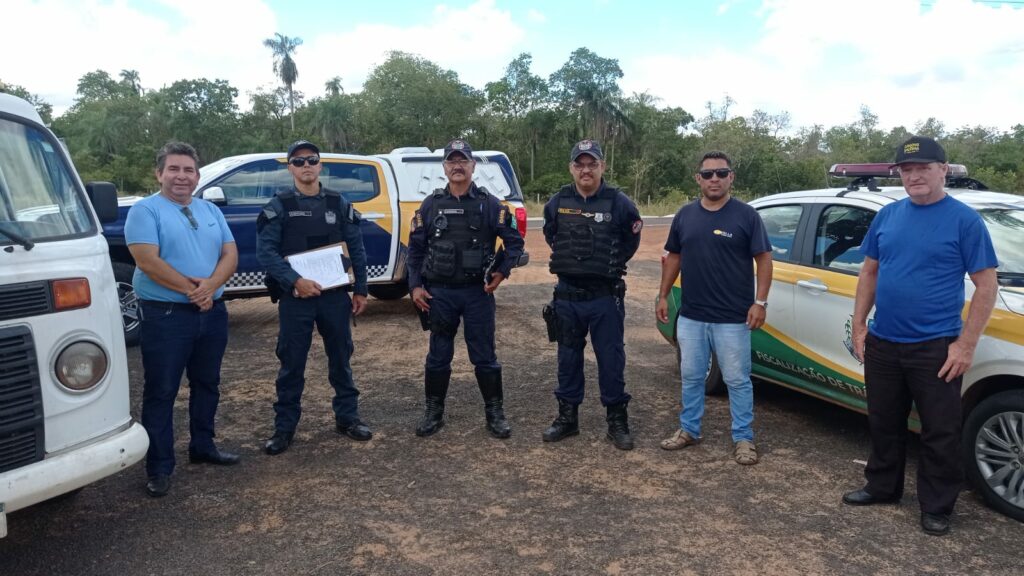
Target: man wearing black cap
pixel 453 274
pixel 916 349
pixel 306 217
pixel 593 230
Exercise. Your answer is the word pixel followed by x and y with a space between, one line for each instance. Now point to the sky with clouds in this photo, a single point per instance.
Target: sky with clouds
pixel 960 61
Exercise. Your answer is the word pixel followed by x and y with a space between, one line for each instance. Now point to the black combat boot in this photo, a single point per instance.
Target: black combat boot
pixel 436 387
pixel 566 424
pixel 618 426
pixel 490 388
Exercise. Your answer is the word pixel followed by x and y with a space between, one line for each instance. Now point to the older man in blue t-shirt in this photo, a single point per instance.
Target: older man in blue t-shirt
pixel 917 349
pixel 184 253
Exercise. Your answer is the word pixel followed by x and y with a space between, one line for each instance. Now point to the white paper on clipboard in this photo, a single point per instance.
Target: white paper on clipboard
pixel 322 265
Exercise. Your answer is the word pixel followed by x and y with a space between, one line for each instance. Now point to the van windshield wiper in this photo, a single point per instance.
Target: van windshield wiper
pixel 18 239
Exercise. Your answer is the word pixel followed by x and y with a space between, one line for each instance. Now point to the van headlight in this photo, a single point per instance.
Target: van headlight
pixel 80 366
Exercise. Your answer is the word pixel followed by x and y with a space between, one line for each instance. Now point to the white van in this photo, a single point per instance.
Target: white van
pixel 64 407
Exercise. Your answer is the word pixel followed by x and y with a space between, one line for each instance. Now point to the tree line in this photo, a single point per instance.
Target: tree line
pixel 115 125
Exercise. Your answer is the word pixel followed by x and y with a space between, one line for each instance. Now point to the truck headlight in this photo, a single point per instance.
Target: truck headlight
pixel 81 366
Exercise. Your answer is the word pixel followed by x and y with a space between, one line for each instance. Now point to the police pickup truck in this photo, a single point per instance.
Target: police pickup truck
pixel 386 189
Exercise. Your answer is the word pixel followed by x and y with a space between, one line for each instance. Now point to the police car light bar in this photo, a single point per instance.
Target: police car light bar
pixel 884 170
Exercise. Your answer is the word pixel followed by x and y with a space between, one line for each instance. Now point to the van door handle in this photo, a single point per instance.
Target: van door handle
pixel 816 285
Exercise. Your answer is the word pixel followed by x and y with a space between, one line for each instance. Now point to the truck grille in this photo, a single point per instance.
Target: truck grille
pixel 24 300
pixel 21 402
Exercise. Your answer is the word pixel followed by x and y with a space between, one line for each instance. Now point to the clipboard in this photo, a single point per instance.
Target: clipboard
pixel 329 266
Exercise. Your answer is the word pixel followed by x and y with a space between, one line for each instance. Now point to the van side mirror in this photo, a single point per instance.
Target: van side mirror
pixel 214 194
pixel 103 196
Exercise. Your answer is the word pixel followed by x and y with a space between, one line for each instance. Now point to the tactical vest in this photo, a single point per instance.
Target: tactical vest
pixel 588 241
pixel 457 233
pixel 310 229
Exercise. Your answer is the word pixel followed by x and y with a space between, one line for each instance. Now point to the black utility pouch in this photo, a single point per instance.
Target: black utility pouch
pixel 472 261
pixel 551 320
pixel 273 288
pixel 424 319
pixel 441 258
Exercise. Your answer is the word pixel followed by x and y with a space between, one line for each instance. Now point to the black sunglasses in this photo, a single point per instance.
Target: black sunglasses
pixel 720 172
pixel 300 161
pixel 191 219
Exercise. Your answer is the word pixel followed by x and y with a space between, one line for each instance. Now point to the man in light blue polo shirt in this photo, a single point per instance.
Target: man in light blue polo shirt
pixel 184 253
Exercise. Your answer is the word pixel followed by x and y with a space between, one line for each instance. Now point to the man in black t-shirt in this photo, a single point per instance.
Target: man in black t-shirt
pixel 714 241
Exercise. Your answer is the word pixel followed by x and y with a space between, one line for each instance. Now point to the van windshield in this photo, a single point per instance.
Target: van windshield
pixel 39 198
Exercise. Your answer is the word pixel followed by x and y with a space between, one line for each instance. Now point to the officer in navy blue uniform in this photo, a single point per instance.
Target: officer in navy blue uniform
pixel 453 273
pixel 593 230
pixel 306 217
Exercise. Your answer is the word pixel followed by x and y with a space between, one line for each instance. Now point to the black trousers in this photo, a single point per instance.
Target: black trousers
pixel 897 375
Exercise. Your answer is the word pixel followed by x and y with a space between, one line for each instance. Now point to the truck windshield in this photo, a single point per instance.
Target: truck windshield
pixel 1006 226
pixel 39 199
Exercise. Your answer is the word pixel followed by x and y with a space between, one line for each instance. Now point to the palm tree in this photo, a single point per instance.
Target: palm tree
pixel 284 66
pixel 131 79
pixel 333 86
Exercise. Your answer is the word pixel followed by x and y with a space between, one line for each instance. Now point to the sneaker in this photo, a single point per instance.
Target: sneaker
pixel 745 452
pixel 681 439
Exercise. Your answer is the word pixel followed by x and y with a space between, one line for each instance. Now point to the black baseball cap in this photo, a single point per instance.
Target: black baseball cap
pixel 299 145
pixel 458 145
pixel 920 150
pixel 586 147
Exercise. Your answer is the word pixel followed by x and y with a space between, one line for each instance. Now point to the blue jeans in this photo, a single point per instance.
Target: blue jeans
pixel 175 339
pixel 331 313
pixel 731 343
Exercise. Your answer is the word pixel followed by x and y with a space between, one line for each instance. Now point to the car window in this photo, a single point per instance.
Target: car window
pixel 255 183
pixel 357 182
pixel 838 236
pixel 780 222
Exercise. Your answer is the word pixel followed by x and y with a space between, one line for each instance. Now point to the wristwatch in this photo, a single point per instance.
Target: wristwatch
pixel 762 303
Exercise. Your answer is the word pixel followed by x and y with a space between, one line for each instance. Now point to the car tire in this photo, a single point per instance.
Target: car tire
pixel 123 273
pixel 993 451
pixel 714 384
pixel 389 291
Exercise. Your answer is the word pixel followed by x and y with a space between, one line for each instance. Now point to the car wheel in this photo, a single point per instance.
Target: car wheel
pixel 123 273
pixel 389 291
pixel 714 385
pixel 993 446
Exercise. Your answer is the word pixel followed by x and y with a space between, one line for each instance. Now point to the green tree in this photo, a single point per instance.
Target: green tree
pixel 284 66
pixel 587 86
pixel 44 108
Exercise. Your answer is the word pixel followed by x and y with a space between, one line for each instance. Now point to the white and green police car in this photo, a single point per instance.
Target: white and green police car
pixel 806 344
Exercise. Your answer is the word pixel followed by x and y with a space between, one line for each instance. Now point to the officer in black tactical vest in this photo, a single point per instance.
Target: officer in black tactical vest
pixel 306 217
pixel 453 272
pixel 593 230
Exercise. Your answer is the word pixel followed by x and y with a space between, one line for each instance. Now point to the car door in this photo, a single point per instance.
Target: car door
pixel 824 296
pixel 771 347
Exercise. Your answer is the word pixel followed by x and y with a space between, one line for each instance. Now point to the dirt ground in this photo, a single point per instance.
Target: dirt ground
pixel 462 502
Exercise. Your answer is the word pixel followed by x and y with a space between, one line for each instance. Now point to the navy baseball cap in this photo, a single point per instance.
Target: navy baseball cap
pixel 299 145
pixel 586 147
pixel 458 145
pixel 920 150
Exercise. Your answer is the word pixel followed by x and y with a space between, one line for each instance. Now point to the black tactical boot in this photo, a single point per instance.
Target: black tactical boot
pixel 566 424
pixel 436 386
pixel 618 427
pixel 490 388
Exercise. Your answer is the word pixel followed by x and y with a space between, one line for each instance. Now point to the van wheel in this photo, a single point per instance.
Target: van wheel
pixel 123 273
pixel 714 384
pixel 389 291
pixel 993 451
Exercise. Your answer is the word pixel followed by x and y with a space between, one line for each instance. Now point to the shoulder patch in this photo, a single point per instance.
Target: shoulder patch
pixel 269 213
pixel 638 226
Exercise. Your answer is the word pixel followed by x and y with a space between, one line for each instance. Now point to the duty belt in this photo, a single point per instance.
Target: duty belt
pixel 574 294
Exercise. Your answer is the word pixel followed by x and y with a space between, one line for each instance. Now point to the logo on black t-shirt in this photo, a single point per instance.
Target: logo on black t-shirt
pixel 723 233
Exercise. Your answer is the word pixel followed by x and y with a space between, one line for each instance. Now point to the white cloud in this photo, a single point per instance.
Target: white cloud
pixel 959 61
pixel 48 44
pixel 536 16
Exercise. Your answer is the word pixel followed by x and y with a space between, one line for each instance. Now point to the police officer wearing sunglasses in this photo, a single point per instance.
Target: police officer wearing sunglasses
pixel 593 230
pixel 306 217
pixel 453 273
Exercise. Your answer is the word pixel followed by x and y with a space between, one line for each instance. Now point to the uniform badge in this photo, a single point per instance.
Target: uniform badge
pixel 607 216
pixel 598 217
pixel 331 217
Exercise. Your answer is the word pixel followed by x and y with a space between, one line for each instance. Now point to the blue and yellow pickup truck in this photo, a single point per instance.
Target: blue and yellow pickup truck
pixel 807 345
pixel 385 188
